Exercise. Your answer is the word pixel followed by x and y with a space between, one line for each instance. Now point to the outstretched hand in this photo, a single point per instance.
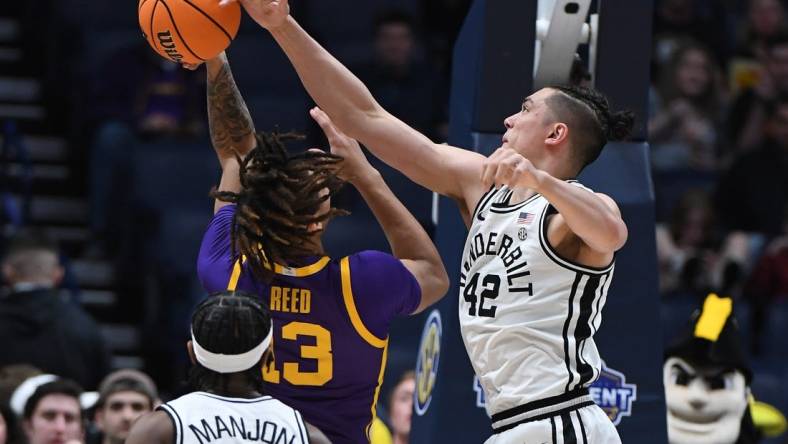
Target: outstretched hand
pixel 270 14
pixel 355 164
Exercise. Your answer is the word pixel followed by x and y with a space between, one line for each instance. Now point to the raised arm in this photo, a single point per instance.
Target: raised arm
pixel 408 240
pixel 447 170
pixel 593 219
pixel 231 127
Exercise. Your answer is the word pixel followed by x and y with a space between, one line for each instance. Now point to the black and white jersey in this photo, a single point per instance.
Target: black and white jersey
pixel 527 315
pixel 201 418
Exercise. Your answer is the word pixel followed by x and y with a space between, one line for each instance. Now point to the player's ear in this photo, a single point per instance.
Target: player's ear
pixel 190 350
pixel 559 132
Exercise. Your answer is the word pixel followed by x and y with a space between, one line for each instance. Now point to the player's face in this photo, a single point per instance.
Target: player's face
pixel 324 208
pixel 527 129
pixel 56 420
pixel 119 413
pixel 704 404
pixel 402 406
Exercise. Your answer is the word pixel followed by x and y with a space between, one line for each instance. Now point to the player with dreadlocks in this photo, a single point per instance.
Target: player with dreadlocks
pixel 230 339
pixel 331 317
pixel 540 251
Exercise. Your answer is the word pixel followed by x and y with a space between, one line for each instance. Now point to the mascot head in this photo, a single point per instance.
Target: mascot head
pixel 707 380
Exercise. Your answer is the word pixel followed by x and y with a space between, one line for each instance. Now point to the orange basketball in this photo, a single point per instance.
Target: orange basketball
pixel 188 31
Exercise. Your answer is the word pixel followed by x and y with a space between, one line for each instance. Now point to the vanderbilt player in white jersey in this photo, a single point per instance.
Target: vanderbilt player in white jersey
pixel 231 338
pixel 539 256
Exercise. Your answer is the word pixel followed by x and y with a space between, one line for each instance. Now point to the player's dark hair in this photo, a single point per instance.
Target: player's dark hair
pixel 228 323
pixel 280 197
pixel 65 387
pixel 587 112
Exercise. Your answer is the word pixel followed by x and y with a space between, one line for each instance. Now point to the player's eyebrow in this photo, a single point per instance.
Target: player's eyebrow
pixel 528 101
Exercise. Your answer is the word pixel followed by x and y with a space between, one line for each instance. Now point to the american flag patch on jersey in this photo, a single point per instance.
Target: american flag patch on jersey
pixel 525 218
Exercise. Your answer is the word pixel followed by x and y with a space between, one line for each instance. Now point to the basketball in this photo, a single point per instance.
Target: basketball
pixel 188 31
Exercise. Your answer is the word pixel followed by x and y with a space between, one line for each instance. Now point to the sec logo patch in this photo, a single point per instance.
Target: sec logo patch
pixel 427 362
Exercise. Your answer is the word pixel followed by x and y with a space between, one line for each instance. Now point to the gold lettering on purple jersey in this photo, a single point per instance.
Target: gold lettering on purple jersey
pixel 306 301
pixel 276 298
pixel 291 300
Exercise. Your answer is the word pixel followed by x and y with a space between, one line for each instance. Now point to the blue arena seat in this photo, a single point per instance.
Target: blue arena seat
pixel 261 68
pixel 172 174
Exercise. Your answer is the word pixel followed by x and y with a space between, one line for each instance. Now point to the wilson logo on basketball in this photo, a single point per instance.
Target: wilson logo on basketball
pixel 165 40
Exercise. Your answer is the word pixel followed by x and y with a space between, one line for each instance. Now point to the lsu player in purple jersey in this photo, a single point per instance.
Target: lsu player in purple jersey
pixel 331 316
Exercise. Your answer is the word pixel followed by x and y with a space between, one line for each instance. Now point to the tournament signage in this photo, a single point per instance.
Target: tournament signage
pixel 612 394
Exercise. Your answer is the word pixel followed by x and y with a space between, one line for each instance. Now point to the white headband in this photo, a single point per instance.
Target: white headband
pixel 25 390
pixel 230 363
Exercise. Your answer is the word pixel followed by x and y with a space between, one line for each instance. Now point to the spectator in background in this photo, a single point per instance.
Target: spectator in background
pixel 53 414
pixel 681 246
pixel 3 426
pixel 753 192
pixel 700 20
pixel 765 19
pixel 768 283
pixel 749 111
pixel 37 326
pixel 124 396
pixel 693 255
pixel 411 89
pixel 683 129
pixel 149 95
pixel 401 407
pixel 8 430
pixel 403 83
pixel 138 96
pixel 13 375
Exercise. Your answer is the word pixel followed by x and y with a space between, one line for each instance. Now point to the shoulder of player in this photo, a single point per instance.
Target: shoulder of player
pixel 154 427
pixel 370 258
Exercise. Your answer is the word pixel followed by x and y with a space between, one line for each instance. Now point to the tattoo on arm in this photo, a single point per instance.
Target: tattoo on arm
pixel 228 118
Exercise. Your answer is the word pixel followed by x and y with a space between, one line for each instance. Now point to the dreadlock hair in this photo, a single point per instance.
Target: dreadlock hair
pixel 280 197
pixel 228 323
pixel 587 112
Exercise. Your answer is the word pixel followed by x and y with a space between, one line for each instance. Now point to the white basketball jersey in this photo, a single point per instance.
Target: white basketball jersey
pixel 527 315
pixel 201 417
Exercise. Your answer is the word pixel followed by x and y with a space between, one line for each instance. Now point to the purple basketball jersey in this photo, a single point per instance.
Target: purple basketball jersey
pixel 331 320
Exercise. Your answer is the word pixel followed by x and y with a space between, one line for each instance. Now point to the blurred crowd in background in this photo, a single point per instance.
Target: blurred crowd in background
pixel 136 130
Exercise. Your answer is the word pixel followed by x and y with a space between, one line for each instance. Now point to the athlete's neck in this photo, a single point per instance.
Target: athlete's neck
pixel 237 387
pixel 521 195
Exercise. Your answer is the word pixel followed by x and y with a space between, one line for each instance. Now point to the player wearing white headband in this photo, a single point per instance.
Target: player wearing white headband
pixel 231 338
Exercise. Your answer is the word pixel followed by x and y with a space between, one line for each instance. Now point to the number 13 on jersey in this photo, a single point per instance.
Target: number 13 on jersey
pixel 274 370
